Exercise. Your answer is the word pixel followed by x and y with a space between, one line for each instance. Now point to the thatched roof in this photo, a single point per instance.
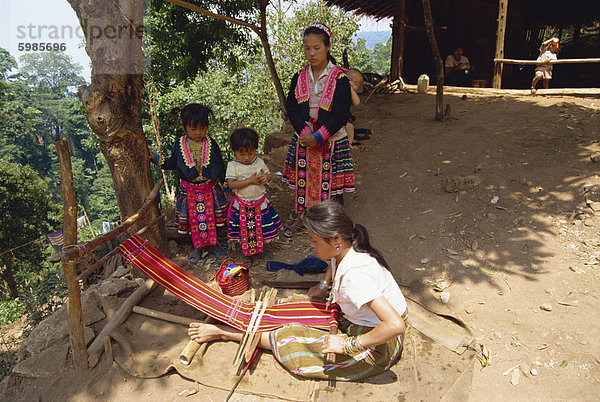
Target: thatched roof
pixel 548 12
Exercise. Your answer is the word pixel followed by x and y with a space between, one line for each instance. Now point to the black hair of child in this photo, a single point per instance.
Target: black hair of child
pixel 195 114
pixel 243 138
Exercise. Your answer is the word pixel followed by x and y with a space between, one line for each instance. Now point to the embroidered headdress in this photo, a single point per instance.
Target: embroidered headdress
pixel 321 27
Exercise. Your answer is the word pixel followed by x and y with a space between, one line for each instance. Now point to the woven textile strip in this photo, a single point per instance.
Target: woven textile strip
pixel 251 235
pixel 313 175
pixel 201 213
pixel 233 312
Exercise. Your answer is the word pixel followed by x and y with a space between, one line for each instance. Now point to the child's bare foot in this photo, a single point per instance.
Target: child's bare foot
pixel 201 332
pixel 533 90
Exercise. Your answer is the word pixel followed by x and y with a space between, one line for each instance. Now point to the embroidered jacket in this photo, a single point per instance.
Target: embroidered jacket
pixel 182 162
pixel 333 109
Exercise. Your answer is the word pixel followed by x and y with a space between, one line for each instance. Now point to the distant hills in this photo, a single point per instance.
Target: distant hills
pixel 374 37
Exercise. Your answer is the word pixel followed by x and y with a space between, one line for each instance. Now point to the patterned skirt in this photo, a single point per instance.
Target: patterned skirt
pixel 298 349
pixel 182 213
pixel 342 169
pixel 269 224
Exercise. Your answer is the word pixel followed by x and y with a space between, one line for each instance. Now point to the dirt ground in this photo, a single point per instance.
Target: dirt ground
pixel 516 247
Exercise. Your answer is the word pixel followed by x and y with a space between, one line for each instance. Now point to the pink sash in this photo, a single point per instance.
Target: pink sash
pixel 201 213
pixel 251 235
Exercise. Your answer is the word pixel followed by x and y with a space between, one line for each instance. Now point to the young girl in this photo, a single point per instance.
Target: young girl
pixel 201 205
pixel 251 218
pixel 373 307
pixel 318 164
pixel 544 69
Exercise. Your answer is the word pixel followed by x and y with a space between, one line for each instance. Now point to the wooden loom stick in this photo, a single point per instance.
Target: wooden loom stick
pixel 252 319
pixel 333 327
pixel 97 347
pixel 251 330
pixel 163 316
pixel 255 336
pixel 241 375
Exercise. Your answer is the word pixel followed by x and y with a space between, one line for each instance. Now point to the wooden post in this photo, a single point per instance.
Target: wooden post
pixel 398 30
pixel 76 336
pixel 437 60
pixel 498 66
pixel 87 219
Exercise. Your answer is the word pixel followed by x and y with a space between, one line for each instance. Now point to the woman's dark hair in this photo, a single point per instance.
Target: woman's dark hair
pixel 328 218
pixel 243 138
pixel 195 114
pixel 318 31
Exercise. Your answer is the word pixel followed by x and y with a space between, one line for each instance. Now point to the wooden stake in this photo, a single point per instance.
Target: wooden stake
pixel 87 220
pixel 437 61
pixel 159 315
pixel 76 334
pixel 502 11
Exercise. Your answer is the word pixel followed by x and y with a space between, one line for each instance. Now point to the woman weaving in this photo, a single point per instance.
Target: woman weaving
pixel 369 339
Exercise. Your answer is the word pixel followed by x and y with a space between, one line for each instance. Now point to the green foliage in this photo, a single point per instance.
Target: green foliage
pixel 376 60
pixel 45 296
pixel 183 42
pixel 11 310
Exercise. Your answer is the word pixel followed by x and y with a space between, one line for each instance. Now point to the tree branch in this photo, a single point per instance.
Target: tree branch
pixel 200 10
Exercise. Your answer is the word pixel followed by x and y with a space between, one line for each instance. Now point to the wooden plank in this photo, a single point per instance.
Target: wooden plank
pixel 534 62
pixel 76 334
pixel 516 92
pixel 502 12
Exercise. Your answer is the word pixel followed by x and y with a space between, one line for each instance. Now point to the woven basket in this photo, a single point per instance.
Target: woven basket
pixel 233 285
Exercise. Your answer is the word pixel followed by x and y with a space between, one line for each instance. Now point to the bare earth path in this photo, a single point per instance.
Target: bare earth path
pixel 499 262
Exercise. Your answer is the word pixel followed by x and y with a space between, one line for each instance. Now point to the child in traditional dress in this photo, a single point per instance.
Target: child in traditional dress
pixel 201 204
pixel 544 69
pixel 251 219
pixel 356 79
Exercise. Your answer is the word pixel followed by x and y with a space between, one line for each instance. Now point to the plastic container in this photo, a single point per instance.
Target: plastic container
pixel 423 84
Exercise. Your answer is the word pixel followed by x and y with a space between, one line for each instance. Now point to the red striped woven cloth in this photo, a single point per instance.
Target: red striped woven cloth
pixel 233 312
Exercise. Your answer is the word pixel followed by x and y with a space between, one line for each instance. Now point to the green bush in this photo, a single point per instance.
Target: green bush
pixel 11 310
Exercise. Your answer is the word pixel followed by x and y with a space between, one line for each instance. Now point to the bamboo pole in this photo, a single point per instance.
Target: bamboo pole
pixel 502 11
pixel 87 220
pixel 72 253
pixel 535 62
pixel 177 319
pixel 97 347
pixel 437 60
pixel 115 251
pixel 76 334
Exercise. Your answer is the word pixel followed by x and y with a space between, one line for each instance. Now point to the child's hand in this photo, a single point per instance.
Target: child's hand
pixel 309 140
pixel 254 179
pixel 150 153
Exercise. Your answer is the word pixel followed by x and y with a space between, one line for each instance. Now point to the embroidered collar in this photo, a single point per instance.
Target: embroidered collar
pixel 186 152
pixel 303 87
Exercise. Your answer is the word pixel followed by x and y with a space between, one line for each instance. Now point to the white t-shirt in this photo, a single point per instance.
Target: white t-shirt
pixel 360 279
pixel 451 62
pixel 238 171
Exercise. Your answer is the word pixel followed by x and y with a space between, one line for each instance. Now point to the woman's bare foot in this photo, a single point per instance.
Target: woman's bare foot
pixel 201 332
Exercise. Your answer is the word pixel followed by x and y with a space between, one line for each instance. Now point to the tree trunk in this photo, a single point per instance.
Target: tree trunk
pixel 112 102
pixel 437 60
pixel 7 275
pixel 262 34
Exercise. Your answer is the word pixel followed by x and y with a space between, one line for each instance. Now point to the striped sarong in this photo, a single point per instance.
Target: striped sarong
pixel 233 312
pixel 298 349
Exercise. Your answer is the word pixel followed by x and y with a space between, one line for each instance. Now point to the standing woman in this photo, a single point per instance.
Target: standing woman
pixel 318 164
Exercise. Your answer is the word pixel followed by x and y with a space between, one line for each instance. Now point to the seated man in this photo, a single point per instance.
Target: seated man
pixel 457 69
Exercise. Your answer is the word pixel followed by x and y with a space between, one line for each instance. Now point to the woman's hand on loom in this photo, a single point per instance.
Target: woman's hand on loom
pixel 317 291
pixel 333 344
